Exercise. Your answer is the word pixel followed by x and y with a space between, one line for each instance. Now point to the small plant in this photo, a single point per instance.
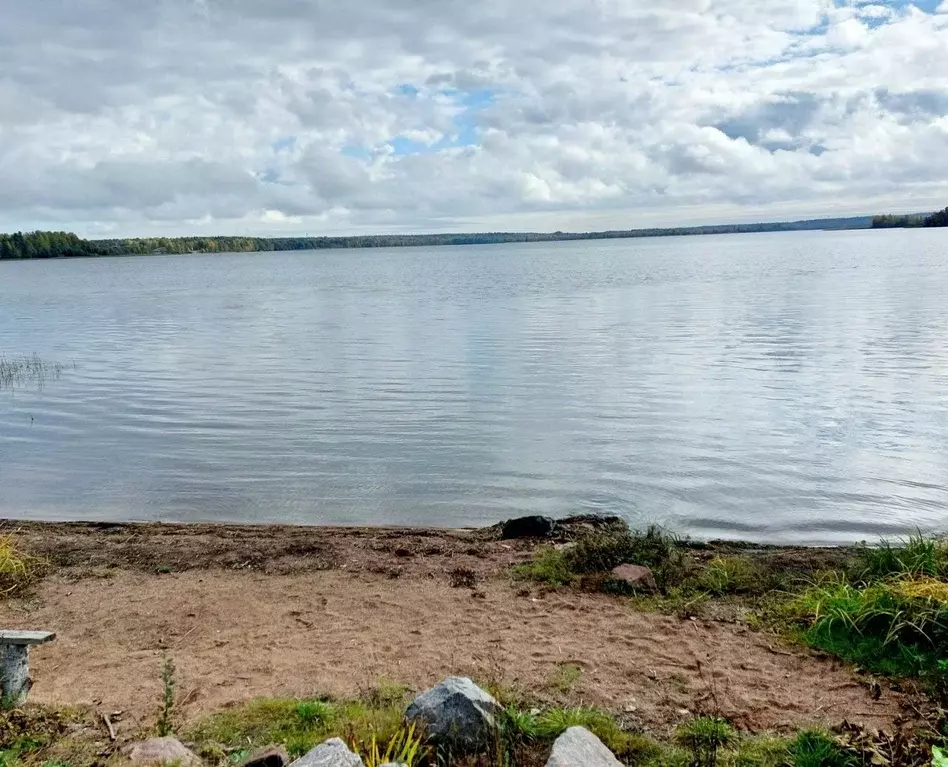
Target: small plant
pixel 814 748
pixel 166 713
pixel 463 578
pixel 312 713
pixel 520 725
pixel 704 736
pixel 404 747
pixel 565 677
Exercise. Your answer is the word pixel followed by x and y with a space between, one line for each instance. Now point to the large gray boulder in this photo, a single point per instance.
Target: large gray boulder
pixel 457 713
pixel 160 752
pixel 578 747
pixel 332 753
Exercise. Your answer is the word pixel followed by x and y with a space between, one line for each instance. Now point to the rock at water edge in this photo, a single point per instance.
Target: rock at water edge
pixel 527 527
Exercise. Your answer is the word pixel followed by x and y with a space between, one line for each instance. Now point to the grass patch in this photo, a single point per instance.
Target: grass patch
pixel 815 748
pixel 731 575
pixel 599 552
pixel 550 567
pixel 897 627
pixel 299 725
pixel 913 556
pixel 37 735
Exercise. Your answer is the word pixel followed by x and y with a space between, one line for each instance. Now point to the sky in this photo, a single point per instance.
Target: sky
pixel 287 117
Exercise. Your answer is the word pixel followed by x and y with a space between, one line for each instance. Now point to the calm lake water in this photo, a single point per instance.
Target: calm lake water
pixel 781 387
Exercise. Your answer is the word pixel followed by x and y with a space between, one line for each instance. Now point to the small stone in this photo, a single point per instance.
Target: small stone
pixel 456 712
pixel 271 756
pixel 578 747
pixel 162 751
pixel 636 577
pixel 527 527
pixel 332 753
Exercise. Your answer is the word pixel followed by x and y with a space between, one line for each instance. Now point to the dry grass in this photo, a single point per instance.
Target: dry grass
pixel 18 569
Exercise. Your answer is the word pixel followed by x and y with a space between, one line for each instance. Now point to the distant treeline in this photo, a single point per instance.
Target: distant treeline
pixel 888 221
pixel 67 245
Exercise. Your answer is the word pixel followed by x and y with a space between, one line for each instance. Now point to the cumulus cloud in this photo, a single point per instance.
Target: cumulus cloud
pixel 292 116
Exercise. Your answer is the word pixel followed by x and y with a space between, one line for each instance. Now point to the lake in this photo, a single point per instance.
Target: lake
pixel 784 387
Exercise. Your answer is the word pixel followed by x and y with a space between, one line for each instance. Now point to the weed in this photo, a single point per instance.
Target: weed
pixel 463 577
pixel 166 712
pixel 565 677
pixel 405 747
pixel 814 748
pixel 21 370
pixel 704 736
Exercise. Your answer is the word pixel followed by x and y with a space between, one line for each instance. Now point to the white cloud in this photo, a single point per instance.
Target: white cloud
pixel 292 116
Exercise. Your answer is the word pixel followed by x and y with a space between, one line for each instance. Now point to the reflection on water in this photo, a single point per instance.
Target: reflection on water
pixel 788 387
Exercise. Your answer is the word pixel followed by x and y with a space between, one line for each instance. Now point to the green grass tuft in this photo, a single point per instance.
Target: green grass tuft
pixel 705 736
pixel 815 748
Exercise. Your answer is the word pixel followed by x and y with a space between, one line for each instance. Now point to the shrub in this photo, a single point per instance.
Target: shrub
pixel 550 567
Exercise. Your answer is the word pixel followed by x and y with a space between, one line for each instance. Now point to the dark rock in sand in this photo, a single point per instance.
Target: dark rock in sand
pixel 456 712
pixel 527 527
pixel 271 756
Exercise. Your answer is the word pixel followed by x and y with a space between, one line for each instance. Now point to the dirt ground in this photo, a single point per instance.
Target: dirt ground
pixel 266 611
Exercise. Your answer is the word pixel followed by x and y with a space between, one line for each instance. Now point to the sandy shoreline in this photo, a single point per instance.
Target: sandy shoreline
pixel 270 610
